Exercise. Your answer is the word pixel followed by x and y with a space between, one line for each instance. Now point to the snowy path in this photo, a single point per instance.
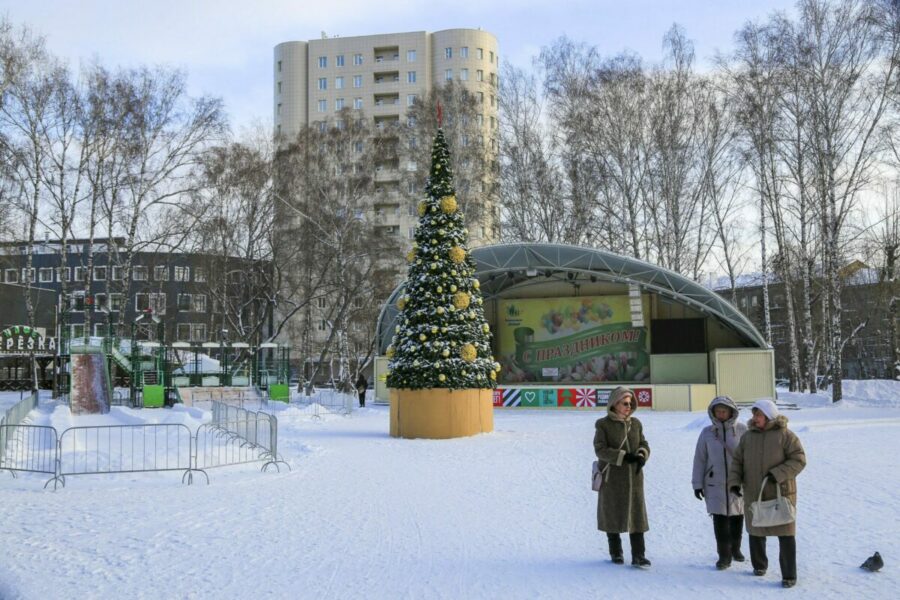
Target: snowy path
pixel 504 515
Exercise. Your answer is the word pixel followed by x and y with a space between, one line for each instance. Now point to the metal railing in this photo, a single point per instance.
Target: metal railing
pixel 326 401
pixel 31 449
pixel 100 449
pixel 235 436
pixel 17 413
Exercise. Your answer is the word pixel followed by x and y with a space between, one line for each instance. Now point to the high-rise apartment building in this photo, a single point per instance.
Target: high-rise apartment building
pixel 382 76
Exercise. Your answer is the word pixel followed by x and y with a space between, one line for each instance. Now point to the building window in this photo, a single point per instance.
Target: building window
pixel 448 74
pixel 199 275
pixel 183 332
pixel 357 81
pixel 480 97
pixel 185 302
pixel 448 52
pixel 79 273
pixel 323 62
pixel 411 233
pixel 410 99
pixel 323 83
pixel 479 75
pixel 323 126
pixel 338 83
pixel 78 330
pixel 117 273
pixel 138 273
pixel 479 119
pixel 410 56
pixel 45 275
pixel 63 274
pixel 161 273
pixel 278 109
pixel 115 302
pixel 100 301
pixel 279 66
pixel 491 60
pixel 411 121
pixel 323 106
pixel 321 302
pixel 339 60
pixel 492 100
pixel 323 325
pixel 199 303
pixel 464 52
pixel 143 303
pixel 357 59
pixel 278 87
pixel 464 74
pixel 410 77
pixel 182 273
pixel 99 273
pixel 338 103
pixel 12 276
pixel 198 332
pixel 479 53
pixel 357 103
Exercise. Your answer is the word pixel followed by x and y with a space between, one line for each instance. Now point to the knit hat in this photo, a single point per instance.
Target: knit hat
pixel 767 407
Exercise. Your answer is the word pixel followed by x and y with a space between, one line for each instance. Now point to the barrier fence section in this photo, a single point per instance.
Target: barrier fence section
pixel 100 449
pixel 327 401
pixel 30 448
pixel 235 436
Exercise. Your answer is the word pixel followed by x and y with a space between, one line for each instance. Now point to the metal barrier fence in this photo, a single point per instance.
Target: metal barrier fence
pixel 30 448
pixel 235 436
pixel 100 449
pixel 326 401
pixel 240 435
pixel 17 413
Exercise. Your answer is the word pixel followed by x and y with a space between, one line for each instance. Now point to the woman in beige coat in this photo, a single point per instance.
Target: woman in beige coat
pixel 622 451
pixel 769 454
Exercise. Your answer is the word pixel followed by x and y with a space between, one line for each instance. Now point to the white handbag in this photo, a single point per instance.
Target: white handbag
pixel 597 475
pixel 771 513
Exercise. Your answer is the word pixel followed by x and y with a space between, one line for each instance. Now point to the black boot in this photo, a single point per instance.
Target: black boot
pixel 736 525
pixel 615 548
pixel 723 541
pixel 638 550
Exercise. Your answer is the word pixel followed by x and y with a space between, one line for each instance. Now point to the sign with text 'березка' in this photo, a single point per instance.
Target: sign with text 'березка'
pixel 22 339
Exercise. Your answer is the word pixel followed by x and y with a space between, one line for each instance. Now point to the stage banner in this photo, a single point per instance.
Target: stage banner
pixel 573 340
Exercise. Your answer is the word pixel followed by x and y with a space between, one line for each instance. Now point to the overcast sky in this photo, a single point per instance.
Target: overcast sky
pixel 226 45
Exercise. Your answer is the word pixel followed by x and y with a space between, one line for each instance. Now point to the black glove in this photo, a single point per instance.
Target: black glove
pixel 772 477
pixel 736 490
pixel 698 494
pixel 630 457
pixel 641 461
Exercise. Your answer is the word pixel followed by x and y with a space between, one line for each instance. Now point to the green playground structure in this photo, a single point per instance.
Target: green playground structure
pixel 154 371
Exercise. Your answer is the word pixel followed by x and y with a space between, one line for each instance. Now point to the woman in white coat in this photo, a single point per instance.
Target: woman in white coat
pixel 712 460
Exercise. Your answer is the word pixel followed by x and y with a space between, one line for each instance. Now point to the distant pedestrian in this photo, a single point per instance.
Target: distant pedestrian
pixel 361 385
pixel 769 454
pixel 622 451
pixel 712 460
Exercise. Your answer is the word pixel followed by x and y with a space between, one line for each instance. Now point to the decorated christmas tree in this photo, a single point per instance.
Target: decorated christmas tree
pixel 442 339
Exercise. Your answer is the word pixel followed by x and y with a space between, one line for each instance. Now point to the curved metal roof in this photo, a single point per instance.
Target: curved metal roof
pixel 503 266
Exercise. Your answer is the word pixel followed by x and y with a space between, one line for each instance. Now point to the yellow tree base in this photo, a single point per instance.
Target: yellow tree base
pixel 439 413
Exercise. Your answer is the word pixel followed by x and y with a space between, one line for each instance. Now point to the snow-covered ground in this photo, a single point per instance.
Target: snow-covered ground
pixel 504 515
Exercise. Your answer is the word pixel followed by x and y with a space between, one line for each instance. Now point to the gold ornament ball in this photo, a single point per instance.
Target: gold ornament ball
pixel 476 284
pixel 389 352
pixel 422 208
pixel 401 302
pixel 468 353
pixel 457 254
pixel 461 300
pixel 445 353
pixel 453 288
pixel 434 330
pixel 448 204
pixel 440 290
pixel 486 328
pixel 442 377
pixel 440 310
pixel 493 374
pixel 422 337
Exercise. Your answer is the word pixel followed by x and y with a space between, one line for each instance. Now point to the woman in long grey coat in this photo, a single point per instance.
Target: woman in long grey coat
pixel 712 459
pixel 622 452
pixel 769 454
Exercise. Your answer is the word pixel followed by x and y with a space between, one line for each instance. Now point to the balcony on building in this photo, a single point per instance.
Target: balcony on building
pixel 387 54
pixel 387 80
